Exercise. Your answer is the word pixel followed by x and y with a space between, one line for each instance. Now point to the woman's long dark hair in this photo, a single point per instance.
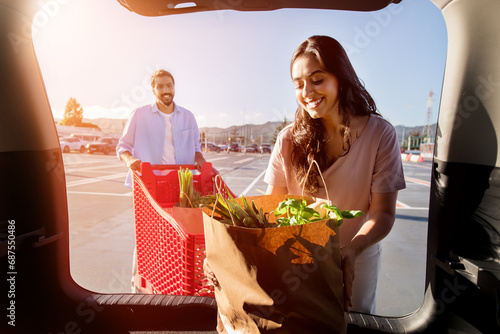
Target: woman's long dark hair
pixel 308 134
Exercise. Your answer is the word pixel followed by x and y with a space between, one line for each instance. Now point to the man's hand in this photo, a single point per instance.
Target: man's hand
pixel 199 161
pixel 134 164
pixel 131 162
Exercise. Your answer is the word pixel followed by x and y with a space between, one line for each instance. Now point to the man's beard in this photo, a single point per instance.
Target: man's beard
pixel 168 102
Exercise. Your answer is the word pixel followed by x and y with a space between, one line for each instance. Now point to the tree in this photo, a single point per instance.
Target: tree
pixel 278 129
pixel 73 113
pixel 234 133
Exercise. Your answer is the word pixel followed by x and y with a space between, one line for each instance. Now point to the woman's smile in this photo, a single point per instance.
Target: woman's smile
pixel 313 104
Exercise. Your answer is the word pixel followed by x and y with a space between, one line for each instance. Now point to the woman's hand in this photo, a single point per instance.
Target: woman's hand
pixel 209 274
pixel 348 260
pixel 382 215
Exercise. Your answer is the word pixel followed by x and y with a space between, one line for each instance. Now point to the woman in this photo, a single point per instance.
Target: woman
pixel 338 126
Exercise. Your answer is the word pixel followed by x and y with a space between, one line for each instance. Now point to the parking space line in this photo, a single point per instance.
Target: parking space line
pixel 425 183
pixel 252 184
pixel 239 178
pixel 96 193
pixel 90 171
pixel 101 166
pixel 243 160
pixel 215 159
pixel 412 208
pixel 94 180
pixel 416 165
pixel 401 205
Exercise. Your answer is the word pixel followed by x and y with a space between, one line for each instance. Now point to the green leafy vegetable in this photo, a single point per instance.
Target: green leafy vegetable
pixel 298 212
pixel 334 212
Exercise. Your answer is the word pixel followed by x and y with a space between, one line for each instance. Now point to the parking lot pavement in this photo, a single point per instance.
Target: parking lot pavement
pixel 102 225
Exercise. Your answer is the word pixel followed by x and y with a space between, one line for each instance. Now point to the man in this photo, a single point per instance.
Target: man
pixel 161 133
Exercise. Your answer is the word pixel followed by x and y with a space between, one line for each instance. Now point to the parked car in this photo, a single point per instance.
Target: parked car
pixel 102 145
pixel 69 144
pixel 265 148
pixel 234 147
pixel 86 138
pixel 223 147
pixel 210 147
pixel 252 148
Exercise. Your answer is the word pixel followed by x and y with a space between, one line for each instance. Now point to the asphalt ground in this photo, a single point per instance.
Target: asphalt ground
pixel 102 224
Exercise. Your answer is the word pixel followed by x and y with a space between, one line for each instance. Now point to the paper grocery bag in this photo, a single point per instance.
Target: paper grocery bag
pixel 191 219
pixel 276 280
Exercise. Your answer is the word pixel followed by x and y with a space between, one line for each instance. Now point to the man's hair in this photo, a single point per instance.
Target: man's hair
pixel 161 73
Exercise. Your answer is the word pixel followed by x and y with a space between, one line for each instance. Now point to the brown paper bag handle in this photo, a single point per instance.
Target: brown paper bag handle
pixel 189 200
pixel 321 175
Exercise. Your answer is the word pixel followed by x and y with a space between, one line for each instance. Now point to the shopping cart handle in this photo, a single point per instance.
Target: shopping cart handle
pixel 147 167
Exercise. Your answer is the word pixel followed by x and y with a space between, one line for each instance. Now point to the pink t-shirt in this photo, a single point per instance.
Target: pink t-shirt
pixel 373 164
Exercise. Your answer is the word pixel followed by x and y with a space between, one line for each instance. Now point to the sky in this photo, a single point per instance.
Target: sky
pixel 233 68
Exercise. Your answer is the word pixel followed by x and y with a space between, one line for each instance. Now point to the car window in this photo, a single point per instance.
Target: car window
pixel 231 69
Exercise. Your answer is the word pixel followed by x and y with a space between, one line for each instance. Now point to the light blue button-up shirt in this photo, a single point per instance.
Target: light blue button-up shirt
pixel 144 135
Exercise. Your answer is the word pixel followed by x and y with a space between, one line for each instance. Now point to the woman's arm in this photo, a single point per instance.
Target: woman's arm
pixel 376 228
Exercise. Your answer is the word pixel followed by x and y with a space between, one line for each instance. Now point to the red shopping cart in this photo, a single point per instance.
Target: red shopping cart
pixel 170 248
